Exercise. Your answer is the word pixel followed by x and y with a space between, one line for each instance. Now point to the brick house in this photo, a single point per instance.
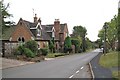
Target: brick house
pixel 25 31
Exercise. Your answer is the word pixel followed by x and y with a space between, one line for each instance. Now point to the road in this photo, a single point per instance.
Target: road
pixel 63 67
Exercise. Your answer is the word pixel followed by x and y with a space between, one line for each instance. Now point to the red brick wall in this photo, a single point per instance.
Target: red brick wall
pixel 57 28
pixel 21 31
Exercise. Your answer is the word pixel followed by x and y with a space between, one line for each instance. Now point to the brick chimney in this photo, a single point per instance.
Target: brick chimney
pixel 35 18
pixel 57 28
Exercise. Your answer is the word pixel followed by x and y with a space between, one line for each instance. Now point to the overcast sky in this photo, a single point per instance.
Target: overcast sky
pixel 88 13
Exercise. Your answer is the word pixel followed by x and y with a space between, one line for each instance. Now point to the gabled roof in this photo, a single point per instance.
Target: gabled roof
pixel 30 24
pixel 50 26
pixel 32 28
pixel 62 28
pixel 44 34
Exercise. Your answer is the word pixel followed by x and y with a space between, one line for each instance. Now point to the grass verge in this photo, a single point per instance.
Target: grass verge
pixel 109 60
pixel 116 75
pixel 53 55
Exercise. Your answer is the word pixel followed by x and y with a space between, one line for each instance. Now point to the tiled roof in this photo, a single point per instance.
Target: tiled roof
pixel 45 36
pixel 30 24
pixel 48 27
pixel 62 28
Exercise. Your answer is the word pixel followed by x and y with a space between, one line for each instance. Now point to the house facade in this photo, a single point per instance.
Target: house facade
pixel 25 31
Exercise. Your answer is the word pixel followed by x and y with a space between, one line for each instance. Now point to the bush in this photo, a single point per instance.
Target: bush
pixel 51 46
pixel 20 50
pixel 29 53
pixel 67 50
pixel 32 45
pixel 67 45
pixel 76 43
pixel 44 51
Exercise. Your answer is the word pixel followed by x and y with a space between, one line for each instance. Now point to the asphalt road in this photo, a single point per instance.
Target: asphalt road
pixel 63 67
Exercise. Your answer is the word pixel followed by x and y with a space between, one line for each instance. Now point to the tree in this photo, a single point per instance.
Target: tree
pixel 82 32
pixel 89 44
pixel 67 45
pixel 111 35
pixel 5 14
pixel 51 46
pixel 77 43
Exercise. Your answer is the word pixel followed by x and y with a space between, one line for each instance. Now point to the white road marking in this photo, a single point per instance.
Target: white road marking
pixel 77 71
pixel 81 67
pixel 71 76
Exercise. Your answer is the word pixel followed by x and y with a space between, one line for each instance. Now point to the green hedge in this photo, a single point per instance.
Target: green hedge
pixel 29 53
pixel 21 49
pixel 44 51
pixel 32 45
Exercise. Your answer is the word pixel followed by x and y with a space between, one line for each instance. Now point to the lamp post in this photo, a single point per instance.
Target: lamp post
pixel 105 26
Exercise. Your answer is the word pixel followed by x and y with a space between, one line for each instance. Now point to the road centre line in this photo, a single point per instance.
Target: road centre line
pixel 81 67
pixel 71 76
pixel 77 71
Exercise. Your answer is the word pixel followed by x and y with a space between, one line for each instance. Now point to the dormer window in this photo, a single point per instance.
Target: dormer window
pixel 38 32
pixel 53 32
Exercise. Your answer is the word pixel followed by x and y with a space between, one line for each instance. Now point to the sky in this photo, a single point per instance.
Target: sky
pixel 91 14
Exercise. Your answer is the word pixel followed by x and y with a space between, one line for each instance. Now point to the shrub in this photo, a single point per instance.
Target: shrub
pixel 77 44
pixel 67 45
pixel 32 45
pixel 51 46
pixel 29 53
pixel 44 51
pixel 20 50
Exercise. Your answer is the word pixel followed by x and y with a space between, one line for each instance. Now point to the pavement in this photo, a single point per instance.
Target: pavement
pixel 99 71
pixel 73 66
pixel 9 63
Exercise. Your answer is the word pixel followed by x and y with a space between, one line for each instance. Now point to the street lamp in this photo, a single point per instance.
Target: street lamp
pixel 105 26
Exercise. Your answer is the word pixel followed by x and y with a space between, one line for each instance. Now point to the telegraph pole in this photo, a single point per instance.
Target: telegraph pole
pixel 118 27
pixel 105 46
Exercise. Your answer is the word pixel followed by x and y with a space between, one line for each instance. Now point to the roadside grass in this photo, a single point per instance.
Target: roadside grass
pixel 109 60
pixel 53 55
pixel 89 50
pixel 116 75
